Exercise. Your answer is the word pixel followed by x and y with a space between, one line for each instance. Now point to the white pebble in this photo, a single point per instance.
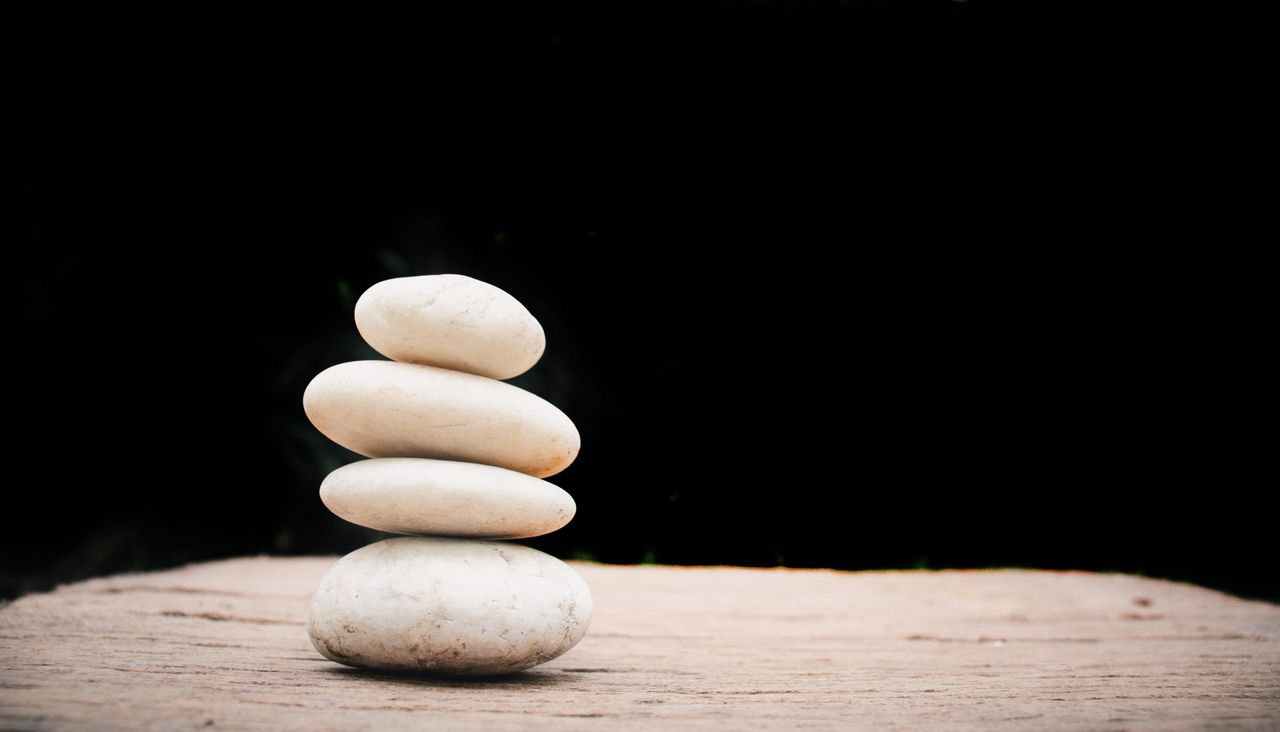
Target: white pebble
pixel 390 409
pixel 445 498
pixel 451 321
pixel 456 606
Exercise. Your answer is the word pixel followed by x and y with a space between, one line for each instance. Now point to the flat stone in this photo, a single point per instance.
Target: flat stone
pixel 390 409
pixel 451 321
pixel 454 606
pixel 445 498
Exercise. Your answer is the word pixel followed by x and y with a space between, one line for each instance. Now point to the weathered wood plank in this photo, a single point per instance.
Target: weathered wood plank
pixel 224 645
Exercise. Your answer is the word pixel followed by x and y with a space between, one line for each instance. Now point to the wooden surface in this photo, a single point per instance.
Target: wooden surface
pixel 223 645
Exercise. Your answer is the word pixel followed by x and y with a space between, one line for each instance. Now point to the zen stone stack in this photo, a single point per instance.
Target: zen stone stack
pixel 456 461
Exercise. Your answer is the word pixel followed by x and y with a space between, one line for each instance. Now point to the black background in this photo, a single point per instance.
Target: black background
pixel 865 286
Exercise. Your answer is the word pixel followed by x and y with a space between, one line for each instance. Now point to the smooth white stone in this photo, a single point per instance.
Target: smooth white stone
pixel 390 409
pixel 451 321
pixel 445 498
pixel 454 606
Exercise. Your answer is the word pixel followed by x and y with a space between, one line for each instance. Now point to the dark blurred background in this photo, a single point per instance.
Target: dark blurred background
pixel 938 299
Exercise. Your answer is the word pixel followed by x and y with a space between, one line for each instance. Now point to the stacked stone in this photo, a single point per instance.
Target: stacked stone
pixel 456 460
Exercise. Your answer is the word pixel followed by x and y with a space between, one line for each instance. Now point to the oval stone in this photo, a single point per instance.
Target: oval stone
pixel 445 498
pixel 451 321
pixel 455 606
pixel 390 409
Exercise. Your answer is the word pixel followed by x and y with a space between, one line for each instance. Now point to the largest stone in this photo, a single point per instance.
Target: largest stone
pixel 455 606
pixel 389 409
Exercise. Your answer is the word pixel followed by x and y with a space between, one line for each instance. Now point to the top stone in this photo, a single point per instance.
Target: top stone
pixel 451 321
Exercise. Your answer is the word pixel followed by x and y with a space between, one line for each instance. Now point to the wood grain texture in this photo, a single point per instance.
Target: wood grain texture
pixel 223 645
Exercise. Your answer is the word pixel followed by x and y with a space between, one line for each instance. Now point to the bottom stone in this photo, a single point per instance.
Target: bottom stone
pixel 454 606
